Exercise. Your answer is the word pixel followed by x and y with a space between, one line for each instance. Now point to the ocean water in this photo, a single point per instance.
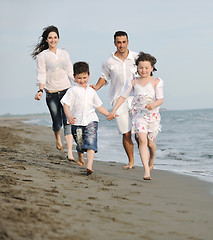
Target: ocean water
pixel 185 144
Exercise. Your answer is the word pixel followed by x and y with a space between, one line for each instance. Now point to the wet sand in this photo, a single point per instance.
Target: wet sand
pixel 43 196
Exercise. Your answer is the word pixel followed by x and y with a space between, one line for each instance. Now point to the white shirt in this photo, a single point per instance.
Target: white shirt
pixel 119 72
pixel 82 103
pixel 55 71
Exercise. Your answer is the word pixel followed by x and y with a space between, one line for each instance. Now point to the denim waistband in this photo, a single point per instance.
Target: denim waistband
pixel 54 93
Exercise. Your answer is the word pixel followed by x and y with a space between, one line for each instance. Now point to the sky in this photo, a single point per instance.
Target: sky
pixel 178 33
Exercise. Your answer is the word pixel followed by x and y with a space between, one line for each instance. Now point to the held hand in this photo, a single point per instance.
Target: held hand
pixel 149 106
pixel 38 96
pixel 71 120
pixel 94 87
pixel 111 116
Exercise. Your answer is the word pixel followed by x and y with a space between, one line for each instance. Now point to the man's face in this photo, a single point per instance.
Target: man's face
pixel 121 44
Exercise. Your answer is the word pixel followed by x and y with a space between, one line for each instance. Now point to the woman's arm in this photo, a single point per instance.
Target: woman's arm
pixel 39 94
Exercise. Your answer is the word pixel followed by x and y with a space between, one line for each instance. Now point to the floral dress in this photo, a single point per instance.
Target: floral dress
pixel 143 119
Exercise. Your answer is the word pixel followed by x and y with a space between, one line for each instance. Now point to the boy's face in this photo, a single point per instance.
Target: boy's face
pixel 82 79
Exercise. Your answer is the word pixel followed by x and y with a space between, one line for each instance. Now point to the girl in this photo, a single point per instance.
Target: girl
pixel 54 75
pixel 148 96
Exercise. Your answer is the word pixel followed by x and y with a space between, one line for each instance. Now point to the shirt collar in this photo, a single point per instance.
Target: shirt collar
pixel 130 56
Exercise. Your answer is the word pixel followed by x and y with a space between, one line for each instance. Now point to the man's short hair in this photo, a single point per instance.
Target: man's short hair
pixel 119 34
pixel 80 67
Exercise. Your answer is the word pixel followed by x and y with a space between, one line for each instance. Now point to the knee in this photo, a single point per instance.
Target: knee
pixel 151 144
pixel 127 137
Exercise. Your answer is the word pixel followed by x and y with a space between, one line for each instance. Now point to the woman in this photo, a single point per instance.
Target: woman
pixel 54 75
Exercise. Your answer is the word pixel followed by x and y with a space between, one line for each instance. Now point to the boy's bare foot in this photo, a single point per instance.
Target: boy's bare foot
pixel 81 163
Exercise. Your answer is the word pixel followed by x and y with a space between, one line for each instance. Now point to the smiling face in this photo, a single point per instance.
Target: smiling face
pixel 145 69
pixel 52 40
pixel 82 79
pixel 121 44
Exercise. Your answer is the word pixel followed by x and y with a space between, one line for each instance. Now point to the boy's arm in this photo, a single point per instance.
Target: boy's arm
pixel 70 119
pixel 103 111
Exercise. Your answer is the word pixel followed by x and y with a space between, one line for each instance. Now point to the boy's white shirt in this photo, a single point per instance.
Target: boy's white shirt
pixel 82 103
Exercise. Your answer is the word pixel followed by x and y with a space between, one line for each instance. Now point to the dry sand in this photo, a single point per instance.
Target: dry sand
pixel 43 196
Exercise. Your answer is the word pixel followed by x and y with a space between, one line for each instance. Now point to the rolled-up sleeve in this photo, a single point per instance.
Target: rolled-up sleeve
pixel 69 68
pixel 159 90
pixel 41 70
pixel 97 101
pixel 105 74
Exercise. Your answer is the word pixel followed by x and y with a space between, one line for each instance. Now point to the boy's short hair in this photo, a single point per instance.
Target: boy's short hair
pixel 80 67
pixel 119 34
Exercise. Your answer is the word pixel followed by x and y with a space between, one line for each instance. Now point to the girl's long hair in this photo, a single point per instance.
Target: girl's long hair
pixel 42 44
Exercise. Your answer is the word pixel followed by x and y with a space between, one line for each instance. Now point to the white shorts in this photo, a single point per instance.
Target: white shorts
pixel 124 122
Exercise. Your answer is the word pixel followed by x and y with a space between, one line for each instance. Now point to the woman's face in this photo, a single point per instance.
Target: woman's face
pixel 52 40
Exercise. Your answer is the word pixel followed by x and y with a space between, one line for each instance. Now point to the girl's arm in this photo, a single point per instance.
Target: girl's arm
pixel 103 111
pixel 70 119
pixel 117 105
pixel 154 104
pixel 158 94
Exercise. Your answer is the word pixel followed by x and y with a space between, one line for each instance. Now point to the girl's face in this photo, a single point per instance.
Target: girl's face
pixel 52 40
pixel 144 69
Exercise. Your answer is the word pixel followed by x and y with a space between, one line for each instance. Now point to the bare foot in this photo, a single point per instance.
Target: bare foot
pixel 89 171
pixel 129 166
pixel 81 163
pixel 147 178
pixel 59 147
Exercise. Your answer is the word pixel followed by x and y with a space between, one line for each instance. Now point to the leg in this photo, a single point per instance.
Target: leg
pixel 144 153
pixel 69 142
pixel 81 162
pixel 152 150
pixel 90 158
pixel 59 145
pixel 55 112
pixel 128 146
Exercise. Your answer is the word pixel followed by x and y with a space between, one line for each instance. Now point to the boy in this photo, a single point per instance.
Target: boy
pixel 79 104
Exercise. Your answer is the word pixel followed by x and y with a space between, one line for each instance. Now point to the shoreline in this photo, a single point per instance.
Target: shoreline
pixel 43 196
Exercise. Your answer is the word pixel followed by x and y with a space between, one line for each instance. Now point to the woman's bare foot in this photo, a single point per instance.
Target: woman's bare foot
pixel 59 144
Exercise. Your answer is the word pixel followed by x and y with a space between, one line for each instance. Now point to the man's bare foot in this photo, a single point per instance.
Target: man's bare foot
pixel 129 166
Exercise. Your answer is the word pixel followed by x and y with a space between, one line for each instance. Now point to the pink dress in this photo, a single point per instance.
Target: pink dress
pixel 144 120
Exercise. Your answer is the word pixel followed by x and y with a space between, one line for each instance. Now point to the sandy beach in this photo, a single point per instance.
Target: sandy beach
pixel 43 196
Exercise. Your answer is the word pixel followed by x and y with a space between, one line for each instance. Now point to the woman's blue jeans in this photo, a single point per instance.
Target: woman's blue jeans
pixel 57 112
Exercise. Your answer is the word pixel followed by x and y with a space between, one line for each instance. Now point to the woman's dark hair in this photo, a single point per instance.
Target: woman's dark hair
pixel 146 57
pixel 42 44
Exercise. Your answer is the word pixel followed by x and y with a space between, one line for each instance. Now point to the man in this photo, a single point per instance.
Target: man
pixel 119 68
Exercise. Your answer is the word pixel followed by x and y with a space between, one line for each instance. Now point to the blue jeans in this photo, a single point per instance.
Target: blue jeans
pixel 57 112
pixel 85 137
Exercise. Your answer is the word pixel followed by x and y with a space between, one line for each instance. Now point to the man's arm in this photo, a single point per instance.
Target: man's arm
pixel 101 82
